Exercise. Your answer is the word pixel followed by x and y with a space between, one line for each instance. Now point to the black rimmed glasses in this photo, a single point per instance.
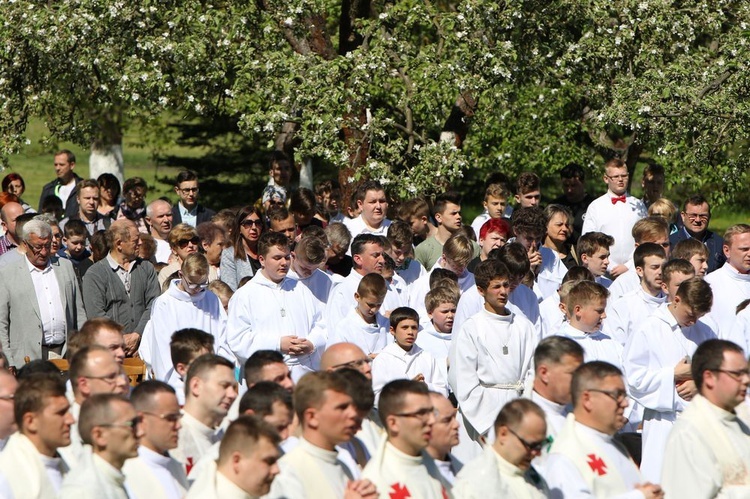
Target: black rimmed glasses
pixel 616 395
pixel 354 364
pixel 531 446
pixel 423 414
pixel 735 375
pixel 131 424
pixel 170 417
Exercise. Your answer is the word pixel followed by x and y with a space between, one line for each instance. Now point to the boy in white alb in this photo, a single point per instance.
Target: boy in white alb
pixel 552 310
pixel 404 359
pixel 435 337
pixel 308 255
pixel 491 353
pixel 401 240
pixel 373 206
pixel 400 466
pixel 495 202
pixel 273 312
pixel 625 314
pixel 615 213
pixel 657 360
pixel 365 326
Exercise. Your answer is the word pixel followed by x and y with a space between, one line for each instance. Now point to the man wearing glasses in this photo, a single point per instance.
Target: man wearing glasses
pixel 708 450
pixel 111 426
pixel 585 459
pixel 188 210
pixel 614 213
pixel 40 302
pixel 696 215
pixel 399 468
pixel 154 473
pixel 505 466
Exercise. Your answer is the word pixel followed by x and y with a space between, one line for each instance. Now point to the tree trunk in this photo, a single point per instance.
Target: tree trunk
pixel 107 158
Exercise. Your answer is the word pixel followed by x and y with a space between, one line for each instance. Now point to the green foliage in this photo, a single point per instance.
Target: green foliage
pixel 553 81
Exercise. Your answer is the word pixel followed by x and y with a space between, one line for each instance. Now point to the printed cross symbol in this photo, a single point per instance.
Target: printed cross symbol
pixel 399 491
pixel 597 465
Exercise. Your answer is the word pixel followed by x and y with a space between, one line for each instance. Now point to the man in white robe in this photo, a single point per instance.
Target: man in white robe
pixel 504 468
pixel 154 473
pixel 555 359
pixel 444 437
pixel 210 391
pixel 328 417
pixel 373 206
pixel 30 466
pixel 247 463
pixel 111 426
pixel 730 283
pixel 708 450
pixel 585 459
pixel 367 255
pixel 274 312
pixel 625 314
pixel 308 255
pixel 400 467
pixel 657 363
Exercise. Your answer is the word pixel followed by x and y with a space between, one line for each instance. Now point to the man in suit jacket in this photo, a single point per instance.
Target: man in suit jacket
pixel 40 302
pixel 121 286
pixel 187 210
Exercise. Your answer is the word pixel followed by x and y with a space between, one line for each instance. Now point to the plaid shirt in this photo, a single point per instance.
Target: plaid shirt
pixel 6 245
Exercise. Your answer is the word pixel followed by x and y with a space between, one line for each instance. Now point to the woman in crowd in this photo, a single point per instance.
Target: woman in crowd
pixel 559 221
pixel 109 194
pixel 241 259
pixel 13 184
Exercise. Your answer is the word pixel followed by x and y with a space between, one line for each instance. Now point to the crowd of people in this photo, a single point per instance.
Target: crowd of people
pixel 306 346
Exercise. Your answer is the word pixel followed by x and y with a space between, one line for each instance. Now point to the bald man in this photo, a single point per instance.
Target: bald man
pixel 343 355
pixel 159 218
pixel 350 356
pixel 8 214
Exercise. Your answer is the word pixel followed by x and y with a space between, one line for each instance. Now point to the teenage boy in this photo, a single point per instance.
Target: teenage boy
pixel 593 250
pixel 615 213
pixel 553 310
pixel 416 212
pixel 309 255
pixel 272 312
pixel 493 234
pixel 435 336
pixel 401 239
pixel 373 206
pixel 528 190
pixel 75 238
pixel 185 346
pixel 187 209
pixel 491 353
pixel 657 360
pixel 625 314
pixel 447 213
pixel 403 358
pixel 495 200
pixel 694 252
pixel 364 326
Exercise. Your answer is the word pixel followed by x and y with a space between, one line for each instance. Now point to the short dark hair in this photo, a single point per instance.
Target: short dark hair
pixel 514 256
pixel 68 154
pixel 360 388
pixel 97 410
pixel 393 394
pixel 209 231
pixel 512 413
pixel 590 243
pixel 573 170
pixel 142 396
pixel 302 201
pixel 257 361
pixel 32 393
pixel 242 435
pixel 362 240
pixel 186 176
pixel 134 183
pixel 552 349
pixel 695 200
pixel 697 294
pixel 202 365
pixel 75 227
pixel 443 200
pixel 310 391
pixel 709 356
pixel 676 266
pixel 260 398
pixel 488 270
pixel 527 182
pixel 270 239
pixel 401 314
pixel 645 250
pixel 530 220
pixel 186 343
pixel 588 374
pixel 578 273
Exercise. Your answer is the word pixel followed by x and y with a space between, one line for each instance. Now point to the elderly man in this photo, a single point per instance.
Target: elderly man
pixel 504 468
pixel 585 460
pixel 399 465
pixel 111 426
pixel 40 302
pixel 121 286
pixel 30 466
pixel 696 215
pixel 159 218
pixel 246 466
pixel 730 283
pixel 154 473
pixel 708 450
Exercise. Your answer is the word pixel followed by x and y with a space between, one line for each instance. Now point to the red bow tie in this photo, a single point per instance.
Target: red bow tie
pixel 618 198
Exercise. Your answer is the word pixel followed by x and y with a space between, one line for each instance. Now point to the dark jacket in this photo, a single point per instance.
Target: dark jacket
pixel 71 205
pixel 202 215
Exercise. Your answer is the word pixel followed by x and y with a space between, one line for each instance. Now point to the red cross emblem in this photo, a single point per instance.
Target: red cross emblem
pixel 597 465
pixel 399 491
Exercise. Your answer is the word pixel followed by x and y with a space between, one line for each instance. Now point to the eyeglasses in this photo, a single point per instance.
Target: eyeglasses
pixel 131 424
pixel 109 378
pixel 696 216
pixel 735 375
pixel 354 364
pixel 193 287
pixel 182 243
pixel 423 414
pixel 189 190
pixel 618 177
pixel 38 249
pixel 531 446
pixel 616 395
pixel 170 417
pixel 250 222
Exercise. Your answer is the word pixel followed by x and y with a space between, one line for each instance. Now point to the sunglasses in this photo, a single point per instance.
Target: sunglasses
pixel 131 424
pixel 182 243
pixel 250 222
pixel 531 446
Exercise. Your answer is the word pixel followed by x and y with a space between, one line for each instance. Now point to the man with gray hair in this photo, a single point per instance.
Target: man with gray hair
pixel 40 302
pixel 159 218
